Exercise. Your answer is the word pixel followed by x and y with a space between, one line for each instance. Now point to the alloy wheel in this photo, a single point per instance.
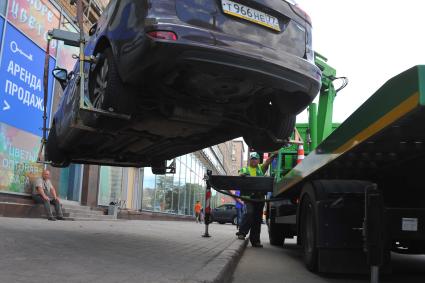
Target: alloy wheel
pixel 101 83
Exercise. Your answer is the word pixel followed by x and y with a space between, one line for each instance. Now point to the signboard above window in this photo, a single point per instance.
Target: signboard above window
pixel 35 18
pixel 3 5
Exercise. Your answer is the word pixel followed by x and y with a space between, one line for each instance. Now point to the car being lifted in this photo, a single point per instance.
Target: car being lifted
pixel 189 74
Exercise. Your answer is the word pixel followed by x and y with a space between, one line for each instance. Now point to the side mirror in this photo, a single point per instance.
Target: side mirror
pixel 93 29
pixel 61 75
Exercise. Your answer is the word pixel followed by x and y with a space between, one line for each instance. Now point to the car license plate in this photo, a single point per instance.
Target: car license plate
pixel 250 14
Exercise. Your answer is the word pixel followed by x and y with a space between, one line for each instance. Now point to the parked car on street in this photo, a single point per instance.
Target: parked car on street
pixel 189 74
pixel 225 213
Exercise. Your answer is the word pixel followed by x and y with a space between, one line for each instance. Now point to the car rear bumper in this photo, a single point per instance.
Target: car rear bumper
pixel 199 51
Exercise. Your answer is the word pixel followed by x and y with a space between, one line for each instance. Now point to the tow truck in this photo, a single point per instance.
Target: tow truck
pixel 358 195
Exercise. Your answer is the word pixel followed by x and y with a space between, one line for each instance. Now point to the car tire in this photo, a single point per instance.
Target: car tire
pixel 53 153
pixel 106 89
pixel 235 220
pixel 263 141
pixel 159 168
pixel 285 127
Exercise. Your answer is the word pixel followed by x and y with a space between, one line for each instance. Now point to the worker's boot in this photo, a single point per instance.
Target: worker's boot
pixel 241 236
pixel 257 245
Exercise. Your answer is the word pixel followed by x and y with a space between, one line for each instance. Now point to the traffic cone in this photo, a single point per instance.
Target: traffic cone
pixel 300 153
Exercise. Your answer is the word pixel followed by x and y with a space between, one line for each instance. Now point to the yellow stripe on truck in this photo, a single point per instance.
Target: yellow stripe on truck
pixel 386 120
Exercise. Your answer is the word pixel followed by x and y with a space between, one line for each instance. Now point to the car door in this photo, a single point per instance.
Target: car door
pixel 229 212
pixel 219 213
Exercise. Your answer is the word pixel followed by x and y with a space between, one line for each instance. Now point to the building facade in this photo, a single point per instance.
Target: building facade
pixel 23 39
pixel 238 154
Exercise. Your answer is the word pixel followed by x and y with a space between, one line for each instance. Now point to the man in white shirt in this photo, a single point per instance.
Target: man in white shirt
pixel 44 192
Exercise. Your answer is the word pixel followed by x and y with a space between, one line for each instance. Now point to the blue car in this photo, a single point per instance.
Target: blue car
pixel 189 74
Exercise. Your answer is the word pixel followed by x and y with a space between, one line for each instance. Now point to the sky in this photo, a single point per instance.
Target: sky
pixel 367 41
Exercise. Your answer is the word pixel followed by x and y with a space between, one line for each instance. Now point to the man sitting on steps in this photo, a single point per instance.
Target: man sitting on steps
pixel 44 192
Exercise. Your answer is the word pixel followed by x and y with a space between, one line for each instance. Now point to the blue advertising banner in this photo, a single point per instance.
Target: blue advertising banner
pixel 1 29
pixel 21 82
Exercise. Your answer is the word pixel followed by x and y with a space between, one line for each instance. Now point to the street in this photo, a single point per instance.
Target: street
pixel 37 250
pixel 285 265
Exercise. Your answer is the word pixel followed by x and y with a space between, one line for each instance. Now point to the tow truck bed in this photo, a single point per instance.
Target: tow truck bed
pixel 386 131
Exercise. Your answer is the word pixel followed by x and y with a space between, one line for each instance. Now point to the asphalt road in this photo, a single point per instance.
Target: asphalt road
pixel 285 265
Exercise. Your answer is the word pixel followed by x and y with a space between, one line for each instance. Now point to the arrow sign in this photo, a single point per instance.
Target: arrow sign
pixel 6 105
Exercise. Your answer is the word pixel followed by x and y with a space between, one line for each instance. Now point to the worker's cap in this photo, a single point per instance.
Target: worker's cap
pixel 254 155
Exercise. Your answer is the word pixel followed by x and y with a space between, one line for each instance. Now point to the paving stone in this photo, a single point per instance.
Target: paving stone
pixel 37 250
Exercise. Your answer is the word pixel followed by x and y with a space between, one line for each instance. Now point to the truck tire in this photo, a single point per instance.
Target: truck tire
pixel 308 233
pixel 53 153
pixel 276 234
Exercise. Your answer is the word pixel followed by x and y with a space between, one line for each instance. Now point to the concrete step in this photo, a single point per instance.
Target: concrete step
pixel 76 207
pixel 73 210
pixel 85 215
pixel 99 218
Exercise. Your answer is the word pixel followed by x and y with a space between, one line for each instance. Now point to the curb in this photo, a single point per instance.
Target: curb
pixel 221 268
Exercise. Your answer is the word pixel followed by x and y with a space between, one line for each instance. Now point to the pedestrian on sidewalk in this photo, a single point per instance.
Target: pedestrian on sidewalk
pixel 44 192
pixel 251 221
pixel 197 209
pixel 202 216
pixel 239 205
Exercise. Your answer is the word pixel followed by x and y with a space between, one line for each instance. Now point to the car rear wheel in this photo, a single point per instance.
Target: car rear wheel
pixel 280 129
pixel 106 89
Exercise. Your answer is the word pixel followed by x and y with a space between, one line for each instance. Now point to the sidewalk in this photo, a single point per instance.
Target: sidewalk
pixel 37 250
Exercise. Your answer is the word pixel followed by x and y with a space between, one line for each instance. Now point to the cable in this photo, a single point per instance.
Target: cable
pixel 344 83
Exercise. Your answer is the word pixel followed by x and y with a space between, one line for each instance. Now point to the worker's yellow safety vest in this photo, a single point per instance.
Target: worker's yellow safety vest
pixel 259 171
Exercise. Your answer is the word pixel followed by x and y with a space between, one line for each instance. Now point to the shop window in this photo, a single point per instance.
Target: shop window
pixel 3 5
pixel 18 156
pixel 67 181
pixel 148 189
pixel 110 184
pixel 182 186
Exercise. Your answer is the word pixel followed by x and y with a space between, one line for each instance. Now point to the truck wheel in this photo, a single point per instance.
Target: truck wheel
pixel 308 233
pixel 53 153
pixel 276 234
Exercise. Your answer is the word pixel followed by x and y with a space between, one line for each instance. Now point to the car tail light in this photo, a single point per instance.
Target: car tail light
pixel 299 11
pixel 166 35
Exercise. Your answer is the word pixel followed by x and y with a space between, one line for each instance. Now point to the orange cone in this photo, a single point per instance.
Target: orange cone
pixel 300 153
